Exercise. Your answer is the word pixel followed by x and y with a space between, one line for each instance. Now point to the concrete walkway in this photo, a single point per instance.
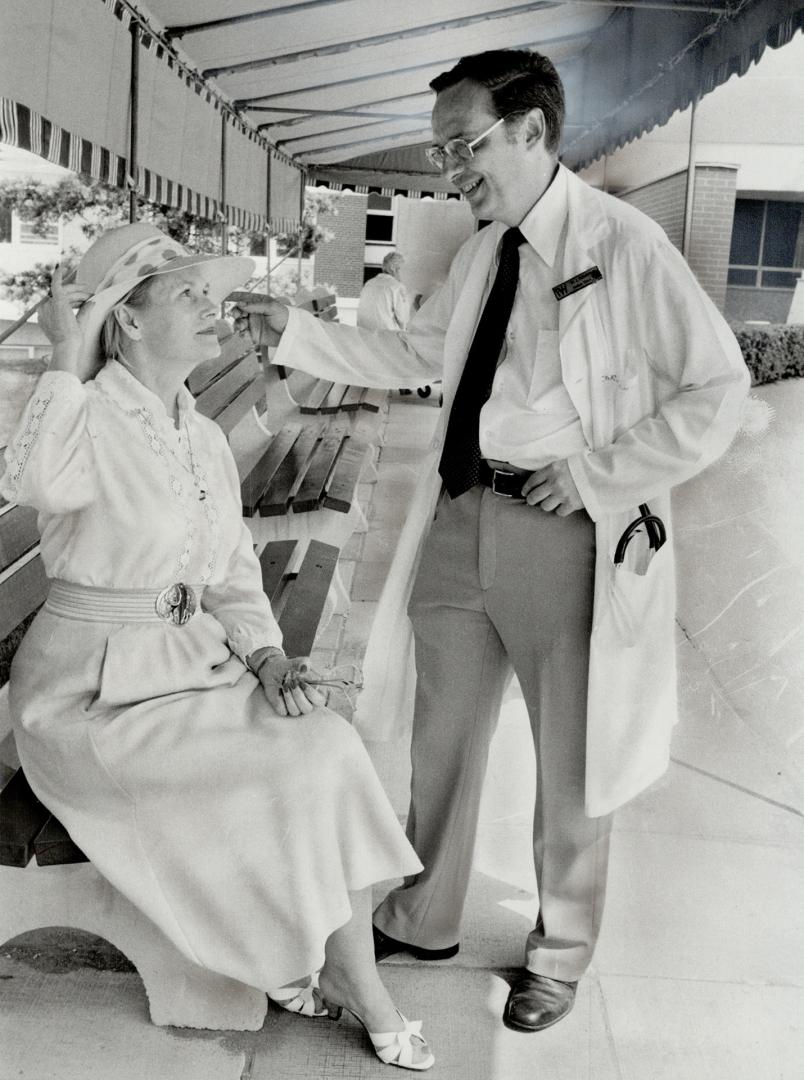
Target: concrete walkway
pixel 699 974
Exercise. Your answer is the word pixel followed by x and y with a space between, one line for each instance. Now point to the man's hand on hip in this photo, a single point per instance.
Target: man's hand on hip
pixel 553 489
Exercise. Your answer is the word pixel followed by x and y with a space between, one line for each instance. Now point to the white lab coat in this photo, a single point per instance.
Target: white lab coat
pixel 384 304
pixel 658 382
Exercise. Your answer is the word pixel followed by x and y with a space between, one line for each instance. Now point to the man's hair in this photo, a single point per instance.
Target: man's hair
pixel 392 263
pixel 518 80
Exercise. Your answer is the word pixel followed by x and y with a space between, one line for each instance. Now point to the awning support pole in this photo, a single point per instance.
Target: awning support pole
pixel 224 233
pixel 268 210
pixel 133 109
pixel 690 187
pixel 302 187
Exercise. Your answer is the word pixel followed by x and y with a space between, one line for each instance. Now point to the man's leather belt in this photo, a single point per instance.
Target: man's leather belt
pixel 505 482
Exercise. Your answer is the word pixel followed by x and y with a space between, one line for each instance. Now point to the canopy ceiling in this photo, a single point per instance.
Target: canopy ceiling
pixel 342 85
pixel 339 88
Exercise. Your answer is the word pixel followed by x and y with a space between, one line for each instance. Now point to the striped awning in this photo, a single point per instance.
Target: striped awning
pixel 240 101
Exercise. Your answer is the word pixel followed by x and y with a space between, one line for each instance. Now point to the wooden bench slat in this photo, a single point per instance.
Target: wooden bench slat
pixel 275 560
pixel 316 397
pixel 22 817
pixel 54 847
pixel 352 398
pixel 346 475
pixel 288 477
pixel 258 480
pixel 332 402
pixel 232 349
pixel 237 409
pixel 313 486
pixel 18 534
pixel 308 595
pixel 213 401
pixel 373 400
pixel 23 591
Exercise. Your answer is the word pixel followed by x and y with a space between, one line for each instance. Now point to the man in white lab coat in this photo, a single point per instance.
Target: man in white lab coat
pixel 616 379
pixel 384 301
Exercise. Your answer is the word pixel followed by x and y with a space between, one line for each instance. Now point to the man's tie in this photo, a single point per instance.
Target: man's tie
pixel 460 459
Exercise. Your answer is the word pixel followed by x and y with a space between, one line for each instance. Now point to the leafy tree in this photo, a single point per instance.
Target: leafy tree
pixel 100 206
pixel 311 234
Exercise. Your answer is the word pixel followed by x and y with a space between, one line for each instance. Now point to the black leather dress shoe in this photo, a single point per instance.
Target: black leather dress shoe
pixel 536 1002
pixel 385 946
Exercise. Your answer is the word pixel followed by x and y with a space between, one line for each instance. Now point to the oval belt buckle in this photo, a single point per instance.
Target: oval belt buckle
pixel 176 604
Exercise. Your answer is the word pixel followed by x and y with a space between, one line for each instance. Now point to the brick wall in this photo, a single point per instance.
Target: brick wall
pixel 712 223
pixel 712 219
pixel 663 201
pixel 340 262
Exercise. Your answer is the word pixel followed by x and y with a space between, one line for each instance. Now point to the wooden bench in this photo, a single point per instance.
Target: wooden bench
pixel 304 469
pixel 64 893
pixel 320 469
pixel 297 483
pixel 322 397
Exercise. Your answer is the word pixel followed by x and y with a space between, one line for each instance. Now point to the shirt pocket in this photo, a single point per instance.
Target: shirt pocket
pixel 546 391
pixel 624 370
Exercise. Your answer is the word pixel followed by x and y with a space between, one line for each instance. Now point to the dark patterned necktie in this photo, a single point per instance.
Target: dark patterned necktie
pixel 460 459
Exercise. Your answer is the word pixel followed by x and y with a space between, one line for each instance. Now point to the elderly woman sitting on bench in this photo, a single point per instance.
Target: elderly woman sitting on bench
pixel 155 711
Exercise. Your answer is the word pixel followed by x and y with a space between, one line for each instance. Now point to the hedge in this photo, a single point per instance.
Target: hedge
pixel 772 352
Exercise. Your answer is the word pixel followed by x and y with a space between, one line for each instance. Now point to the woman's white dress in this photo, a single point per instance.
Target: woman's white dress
pixel 239 832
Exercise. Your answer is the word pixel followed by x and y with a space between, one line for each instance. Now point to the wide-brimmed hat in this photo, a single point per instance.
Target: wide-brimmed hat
pixel 121 258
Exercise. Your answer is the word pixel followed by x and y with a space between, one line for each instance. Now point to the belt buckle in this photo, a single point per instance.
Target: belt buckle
pixel 500 472
pixel 176 604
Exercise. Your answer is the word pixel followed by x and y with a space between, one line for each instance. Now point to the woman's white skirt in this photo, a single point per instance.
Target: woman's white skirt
pixel 239 832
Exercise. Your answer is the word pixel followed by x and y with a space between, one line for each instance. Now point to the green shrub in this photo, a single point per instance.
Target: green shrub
pixel 772 352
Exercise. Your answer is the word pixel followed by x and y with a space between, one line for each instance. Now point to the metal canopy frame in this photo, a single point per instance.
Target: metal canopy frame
pixel 338 90
pixel 300 65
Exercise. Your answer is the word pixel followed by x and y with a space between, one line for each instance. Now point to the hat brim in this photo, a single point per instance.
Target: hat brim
pixel 226 273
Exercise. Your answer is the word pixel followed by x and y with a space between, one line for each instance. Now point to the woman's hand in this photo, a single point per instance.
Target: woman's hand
pixel 263 318
pixel 59 323
pixel 284 680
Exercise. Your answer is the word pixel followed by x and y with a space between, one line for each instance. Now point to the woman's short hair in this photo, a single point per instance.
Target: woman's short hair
pixel 518 80
pixel 112 335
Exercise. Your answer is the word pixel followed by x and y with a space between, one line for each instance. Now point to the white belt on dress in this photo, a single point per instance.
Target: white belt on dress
pixel 175 604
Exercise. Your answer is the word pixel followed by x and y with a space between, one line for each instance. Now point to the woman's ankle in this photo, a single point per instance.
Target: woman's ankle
pixel 369 1000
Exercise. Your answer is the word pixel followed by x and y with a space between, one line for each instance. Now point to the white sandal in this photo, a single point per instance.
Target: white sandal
pixel 394 1047
pixel 303 1000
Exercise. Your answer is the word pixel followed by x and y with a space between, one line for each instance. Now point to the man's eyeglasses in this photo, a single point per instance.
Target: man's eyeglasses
pixel 459 149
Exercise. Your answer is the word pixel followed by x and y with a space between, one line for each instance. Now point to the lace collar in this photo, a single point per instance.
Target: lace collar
pixel 129 393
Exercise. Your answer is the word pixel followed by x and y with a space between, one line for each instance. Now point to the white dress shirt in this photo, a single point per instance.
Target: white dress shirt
pixel 529 420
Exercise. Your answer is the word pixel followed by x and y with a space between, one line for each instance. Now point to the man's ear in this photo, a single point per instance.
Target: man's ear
pixel 127 319
pixel 535 127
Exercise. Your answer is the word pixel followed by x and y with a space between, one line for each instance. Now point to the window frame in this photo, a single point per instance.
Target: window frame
pixel 381 213
pixel 760 268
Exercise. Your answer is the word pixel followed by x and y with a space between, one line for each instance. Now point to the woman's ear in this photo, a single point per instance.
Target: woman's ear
pixel 127 320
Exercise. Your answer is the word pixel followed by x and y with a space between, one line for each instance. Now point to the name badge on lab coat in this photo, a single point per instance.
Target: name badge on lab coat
pixel 580 281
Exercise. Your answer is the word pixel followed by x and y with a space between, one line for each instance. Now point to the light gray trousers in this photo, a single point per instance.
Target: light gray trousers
pixel 502 585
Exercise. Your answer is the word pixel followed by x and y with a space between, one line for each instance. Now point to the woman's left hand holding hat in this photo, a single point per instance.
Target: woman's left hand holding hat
pixel 63 329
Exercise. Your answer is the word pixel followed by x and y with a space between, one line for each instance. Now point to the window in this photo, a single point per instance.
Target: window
pixel 767 244
pixel 370 272
pixel 379 219
pixel 28 236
